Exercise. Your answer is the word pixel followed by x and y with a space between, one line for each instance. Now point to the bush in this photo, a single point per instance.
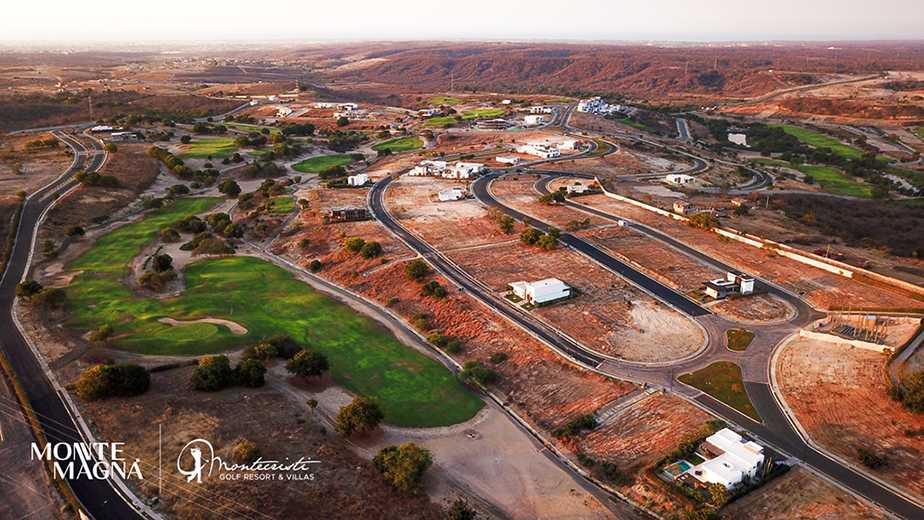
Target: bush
pixel 453 347
pixel 434 289
pixel 250 373
pixel 436 339
pixel 868 458
pixel 472 372
pixel 371 250
pixel 50 298
pixel 354 244
pixel 124 380
pixel 308 363
pixel 575 427
pixel 498 357
pixel 403 466
pixel 420 322
pixel 362 414
pixel 169 235
pixel 742 210
pixel 315 266
pixel 416 270
pixel 460 510
pixel 161 263
pixel 74 231
pixel 246 453
pixel 213 374
pixel 703 221
pixel 530 236
pixel 101 334
pixel 27 289
pixel 286 346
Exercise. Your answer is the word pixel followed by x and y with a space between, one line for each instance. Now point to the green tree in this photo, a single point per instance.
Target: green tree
pixel 122 379
pixel 50 298
pixel 719 494
pixel 101 334
pixel 505 223
pixel 232 231
pixel 27 289
pixel 403 466
pixel 704 221
pixel 161 263
pixel 742 210
pixel 308 363
pixel 460 510
pixel 371 250
pixel 74 231
pixel 111 148
pixel 416 270
pixel 229 187
pixel 362 414
pixel 250 373
pixel 343 121
pixel 354 244
pixel 246 452
pixel 472 372
pixel 213 373
pixel 530 236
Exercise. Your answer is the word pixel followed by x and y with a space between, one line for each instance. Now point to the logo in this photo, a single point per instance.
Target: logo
pixel 95 461
pixel 199 454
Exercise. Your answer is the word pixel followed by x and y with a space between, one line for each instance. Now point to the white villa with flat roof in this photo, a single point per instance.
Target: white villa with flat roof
pixel 733 459
pixel 541 291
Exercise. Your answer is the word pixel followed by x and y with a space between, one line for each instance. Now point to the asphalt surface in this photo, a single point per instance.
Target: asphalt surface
pixel 98 497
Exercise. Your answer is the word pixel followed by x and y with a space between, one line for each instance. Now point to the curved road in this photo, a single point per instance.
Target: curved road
pixel 98 497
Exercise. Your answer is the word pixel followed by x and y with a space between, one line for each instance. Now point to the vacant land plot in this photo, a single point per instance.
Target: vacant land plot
pixel 209 148
pixel 615 165
pixel 39 166
pixel 610 315
pixel 821 141
pixel 413 389
pixel 758 308
pixel 446 225
pixel 281 429
pixel 822 289
pixel 516 191
pixel 838 394
pixel 723 381
pixel 799 494
pixel 826 177
pixel 323 162
pixel 402 144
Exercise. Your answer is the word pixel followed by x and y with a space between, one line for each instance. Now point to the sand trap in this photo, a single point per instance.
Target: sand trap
pixel 235 328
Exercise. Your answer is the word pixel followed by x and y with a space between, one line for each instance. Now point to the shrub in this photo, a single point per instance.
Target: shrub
pixel 453 347
pixel 498 357
pixel 169 235
pixel 50 298
pixel 868 458
pixel 703 221
pixel 161 263
pixel 354 244
pixel 362 414
pixel 124 379
pixel 101 334
pixel 308 363
pixel 416 270
pixel 315 266
pixel 436 339
pixel 246 453
pixel 213 374
pixel 434 289
pixel 530 236
pixel 460 510
pixel 74 231
pixel 250 373
pixel 371 250
pixel 27 289
pixel 472 372
pixel 403 466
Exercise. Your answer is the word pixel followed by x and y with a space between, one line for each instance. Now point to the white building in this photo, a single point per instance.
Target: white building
pixel 732 283
pixel 571 144
pixel 460 170
pixel 428 112
pixel 359 179
pixel 680 179
pixel 577 188
pixel 541 291
pixel 733 459
pixel 537 110
pixel 534 120
pixel 507 159
pixel 283 111
pixel 323 105
pixel 505 102
pixel 544 150
pixel 454 193
pixel 347 107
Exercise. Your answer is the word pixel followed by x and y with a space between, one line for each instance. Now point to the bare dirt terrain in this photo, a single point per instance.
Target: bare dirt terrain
pixel 838 394
pixel 516 191
pixel 39 166
pixel 616 165
pixel 610 315
pixel 822 289
pixel 758 308
pixel 799 494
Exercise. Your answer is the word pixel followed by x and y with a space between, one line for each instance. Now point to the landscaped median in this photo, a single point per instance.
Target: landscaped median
pixel 739 339
pixel 413 389
pixel 723 381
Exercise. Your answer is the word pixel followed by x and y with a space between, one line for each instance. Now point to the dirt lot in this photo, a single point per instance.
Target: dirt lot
pixel 759 308
pixel 822 289
pixel 135 170
pixel 615 165
pixel 799 494
pixel 39 166
pixel 838 394
pixel 610 315
pixel 516 191
pixel 446 225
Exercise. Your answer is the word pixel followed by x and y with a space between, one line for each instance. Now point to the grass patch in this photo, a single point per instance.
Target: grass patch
pixel 634 124
pixel 258 153
pixel 446 100
pixel 723 381
pixel 402 144
pixel 323 162
pixel 827 177
pixel 739 339
pixel 821 141
pixel 487 112
pixel 440 121
pixel 602 148
pixel 205 148
pixel 283 205
pixel 413 390
pixel 920 132
pixel 251 128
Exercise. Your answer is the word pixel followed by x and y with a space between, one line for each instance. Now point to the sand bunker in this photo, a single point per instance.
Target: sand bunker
pixel 235 328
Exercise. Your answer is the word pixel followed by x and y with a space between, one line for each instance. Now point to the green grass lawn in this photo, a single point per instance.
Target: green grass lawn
pixel 739 339
pixel 283 205
pixel 920 131
pixel 203 148
pixel 827 177
pixel 723 381
pixel 478 114
pixel 320 163
pixel 821 141
pixel 559 100
pixel 634 124
pixel 251 128
pixel 602 148
pixel 413 390
pixel 258 153
pixel 402 144
pixel 446 100
pixel 439 121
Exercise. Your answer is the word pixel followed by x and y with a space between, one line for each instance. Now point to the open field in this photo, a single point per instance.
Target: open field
pixel 838 394
pixel 821 141
pixel 610 316
pixel 723 381
pixel 402 144
pixel 516 191
pixel 282 430
pixel 755 308
pixel 467 115
pixel 39 166
pixel 826 177
pixel 205 148
pixel 822 289
pixel 320 163
pixel 615 165
pixel 633 124
pixel 413 389
pixel 799 494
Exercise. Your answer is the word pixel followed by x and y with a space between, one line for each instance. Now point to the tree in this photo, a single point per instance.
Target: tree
pixel 704 221
pixel 232 231
pixel 552 198
pixel 212 246
pixel 161 263
pixel 868 458
pixel 250 373
pixel 362 414
pixel 152 281
pixel 101 334
pixel 308 363
pixel 246 453
pixel 169 235
pixel 472 372
pixel 403 466
pixel 354 244
pixel 530 236
pixel 123 379
pixel 416 270
pixel 17 168
pixel 111 148
pixel 719 494
pixel 50 298
pixel 742 210
pixel 74 231
pixel 185 139
pixel 213 373
pixel 371 250
pixel 49 250
pixel 27 289
pixel 703 514
pixel 229 187
pixel 460 510
pixel 547 242
pixel 505 223
pixel 343 121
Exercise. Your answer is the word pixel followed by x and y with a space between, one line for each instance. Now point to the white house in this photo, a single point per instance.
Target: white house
pixel 463 170
pixel 283 111
pixel 505 102
pixel 570 144
pixel 428 112
pixel 732 460
pixel 544 150
pixel 534 120
pixel 323 105
pixel 359 179
pixel 577 188
pixel 537 110
pixel 733 282
pixel 507 159
pixel 454 193
pixel 347 107
pixel 429 168
pixel 678 178
pixel 541 291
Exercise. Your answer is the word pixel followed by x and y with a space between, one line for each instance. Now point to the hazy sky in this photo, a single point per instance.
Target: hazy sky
pixel 678 20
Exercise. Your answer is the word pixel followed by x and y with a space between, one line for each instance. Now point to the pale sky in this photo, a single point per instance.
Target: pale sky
pixel 670 20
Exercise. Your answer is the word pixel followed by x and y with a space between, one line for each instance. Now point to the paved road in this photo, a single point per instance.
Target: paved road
pixel 98 497
pixel 683 129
